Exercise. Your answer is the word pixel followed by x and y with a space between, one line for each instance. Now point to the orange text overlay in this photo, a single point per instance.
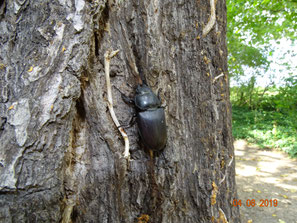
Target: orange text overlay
pixel 253 203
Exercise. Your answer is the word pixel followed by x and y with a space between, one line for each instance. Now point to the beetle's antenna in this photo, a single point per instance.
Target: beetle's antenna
pixel 142 79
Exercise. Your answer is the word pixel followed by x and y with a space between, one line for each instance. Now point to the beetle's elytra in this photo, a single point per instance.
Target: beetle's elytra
pixel 150 118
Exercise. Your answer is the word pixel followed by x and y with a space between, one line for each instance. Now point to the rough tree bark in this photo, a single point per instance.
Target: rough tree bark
pixel 61 156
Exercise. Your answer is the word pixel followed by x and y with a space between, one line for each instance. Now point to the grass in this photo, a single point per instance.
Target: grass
pixel 267 129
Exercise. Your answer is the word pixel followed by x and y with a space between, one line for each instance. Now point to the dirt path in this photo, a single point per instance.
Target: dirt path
pixel 269 175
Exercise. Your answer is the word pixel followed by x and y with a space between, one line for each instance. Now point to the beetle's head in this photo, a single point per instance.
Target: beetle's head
pixel 143 89
pixel 145 98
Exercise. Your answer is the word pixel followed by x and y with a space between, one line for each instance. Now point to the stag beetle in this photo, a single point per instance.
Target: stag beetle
pixel 150 117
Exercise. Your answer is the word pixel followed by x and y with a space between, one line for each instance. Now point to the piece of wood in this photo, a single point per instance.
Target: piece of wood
pixel 107 57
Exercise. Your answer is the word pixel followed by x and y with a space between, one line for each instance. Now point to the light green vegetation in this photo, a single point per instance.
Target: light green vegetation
pixel 252 25
pixel 265 116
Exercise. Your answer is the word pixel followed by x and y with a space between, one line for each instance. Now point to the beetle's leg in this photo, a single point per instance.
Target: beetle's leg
pixel 125 98
pixel 130 123
pixel 132 120
pixel 151 154
pixel 162 154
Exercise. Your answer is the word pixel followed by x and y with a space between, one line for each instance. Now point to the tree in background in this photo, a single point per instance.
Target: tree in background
pixel 252 26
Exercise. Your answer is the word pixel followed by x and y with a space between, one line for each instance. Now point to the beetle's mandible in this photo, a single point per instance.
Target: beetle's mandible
pixel 150 118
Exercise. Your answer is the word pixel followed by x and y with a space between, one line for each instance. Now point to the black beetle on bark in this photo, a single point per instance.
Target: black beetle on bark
pixel 150 117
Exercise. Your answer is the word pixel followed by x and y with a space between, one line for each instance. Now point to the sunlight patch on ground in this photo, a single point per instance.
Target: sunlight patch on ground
pixel 265 175
pixel 271 166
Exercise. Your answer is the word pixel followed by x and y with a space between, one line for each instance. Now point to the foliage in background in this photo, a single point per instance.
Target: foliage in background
pixel 252 25
pixel 269 98
pixel 262 115
pixel 266 116
pixel 267 129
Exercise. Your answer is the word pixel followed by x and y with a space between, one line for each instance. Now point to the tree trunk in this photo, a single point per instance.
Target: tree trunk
pixel 61 155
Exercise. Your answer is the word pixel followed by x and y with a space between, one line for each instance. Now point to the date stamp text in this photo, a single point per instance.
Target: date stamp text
pixel 253 203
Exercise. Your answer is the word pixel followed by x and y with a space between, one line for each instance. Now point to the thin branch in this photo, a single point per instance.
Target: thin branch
pixel 222 180
pixel 223 217
pixel 224 177
pixel 231 161
pixel 217 77
pixel 212 18
pixel 107 57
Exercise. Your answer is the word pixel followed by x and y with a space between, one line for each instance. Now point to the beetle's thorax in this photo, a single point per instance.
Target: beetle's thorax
pixel 145 98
